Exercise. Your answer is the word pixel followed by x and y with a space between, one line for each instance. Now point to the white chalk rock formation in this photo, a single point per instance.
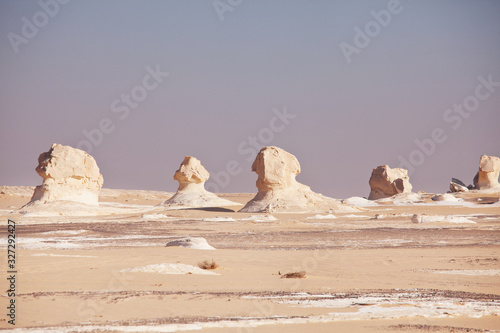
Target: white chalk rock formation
pixel 424 218
pixel 487 176
pixel 386 182
pixel 191 192
pixel 168 268
pixel 69 174
pixel 198 243
pixel 280 192
pixel 447 197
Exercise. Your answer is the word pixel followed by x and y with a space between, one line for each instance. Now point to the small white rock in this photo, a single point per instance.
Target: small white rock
pixel 198 243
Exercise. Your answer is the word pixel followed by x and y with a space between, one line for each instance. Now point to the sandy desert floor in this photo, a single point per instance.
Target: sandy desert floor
pixel 113 273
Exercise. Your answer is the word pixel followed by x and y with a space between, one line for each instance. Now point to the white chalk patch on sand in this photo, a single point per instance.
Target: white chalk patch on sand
pixel 403 199
pixel 219 219
pixel 470 272
pixel 358 308
pixel 64 232
pixel 461 203
pixel 81 242
pixel 415 199
pixel 155 216
pixel 67 208
pixel 122 205
pixel 360 202
pixel 458 219
pixel 322 217
pixel 260 218
pixel 375 243
pixel 60 255
pixel 398 306
pixel 356 216
pixel 46 214
pixel 422 218
pixel 487 218
pixel 169 269
pixel 35 243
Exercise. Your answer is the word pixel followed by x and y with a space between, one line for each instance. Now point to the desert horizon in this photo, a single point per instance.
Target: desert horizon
pixel 83 258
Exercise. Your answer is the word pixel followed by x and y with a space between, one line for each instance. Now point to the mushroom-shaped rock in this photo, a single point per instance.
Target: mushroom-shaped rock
pixel 386 182
pixel 191 173
pixel 487 176
pixel 191 192
pixel 280 192
pixel 69 174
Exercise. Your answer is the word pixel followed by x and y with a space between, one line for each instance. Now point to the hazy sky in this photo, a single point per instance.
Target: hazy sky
pixel 343 85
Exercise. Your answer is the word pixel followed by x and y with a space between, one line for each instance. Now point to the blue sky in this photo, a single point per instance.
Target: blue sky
pixel 228 79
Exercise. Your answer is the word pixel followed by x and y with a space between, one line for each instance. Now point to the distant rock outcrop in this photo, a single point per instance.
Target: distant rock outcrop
pixel 69 174
pixel 456 185
pixel 191 192
pixel 487 176
pixel 386 182
pixel 280 192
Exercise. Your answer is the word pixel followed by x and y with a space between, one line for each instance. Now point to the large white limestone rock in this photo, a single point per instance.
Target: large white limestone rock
pixel 69 174
pixel 487 176
pixel 386 182
pixel 191 192
pixel 279 191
